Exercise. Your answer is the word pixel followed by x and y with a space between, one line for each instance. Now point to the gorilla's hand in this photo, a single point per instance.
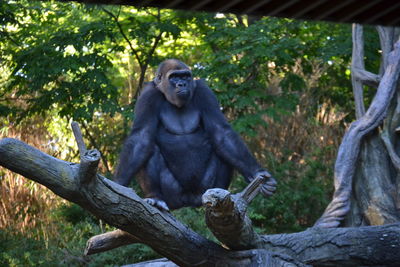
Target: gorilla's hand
pixel 269 187
pixel 160 204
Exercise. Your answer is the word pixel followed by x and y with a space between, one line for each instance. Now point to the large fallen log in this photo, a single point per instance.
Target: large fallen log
pixel 121 207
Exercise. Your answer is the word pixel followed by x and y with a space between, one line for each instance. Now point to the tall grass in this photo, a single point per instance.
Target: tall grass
pixel 25 205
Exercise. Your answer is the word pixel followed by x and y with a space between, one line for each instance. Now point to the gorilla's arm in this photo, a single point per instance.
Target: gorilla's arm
pixel 228 144
pixel 139 145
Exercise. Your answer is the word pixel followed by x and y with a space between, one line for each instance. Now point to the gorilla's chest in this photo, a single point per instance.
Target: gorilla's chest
pixel 180 121
pixel 184 143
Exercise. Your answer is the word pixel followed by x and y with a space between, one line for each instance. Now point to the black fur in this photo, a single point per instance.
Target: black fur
pixel 183 145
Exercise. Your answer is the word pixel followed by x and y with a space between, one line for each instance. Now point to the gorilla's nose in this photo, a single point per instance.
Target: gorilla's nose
pixel 181 84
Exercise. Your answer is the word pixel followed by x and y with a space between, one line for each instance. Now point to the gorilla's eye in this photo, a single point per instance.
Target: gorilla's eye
pixel 174 79
pixel 180 77
pixel 183 75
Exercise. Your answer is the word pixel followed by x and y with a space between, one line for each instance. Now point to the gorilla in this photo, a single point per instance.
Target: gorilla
pixel 182 144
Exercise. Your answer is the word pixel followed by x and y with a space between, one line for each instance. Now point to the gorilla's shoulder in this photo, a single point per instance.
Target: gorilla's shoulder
pixel 149 88
pixel 201 83
pixel 203 91
pixel 150 97
pixel 150 91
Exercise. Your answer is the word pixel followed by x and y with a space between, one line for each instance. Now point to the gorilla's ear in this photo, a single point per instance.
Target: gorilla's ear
pixel 157 79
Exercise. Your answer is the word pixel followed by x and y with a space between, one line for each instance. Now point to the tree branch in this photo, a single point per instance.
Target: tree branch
pixel 117 205
pixel 386 38
pixel 390 133
pixel 357 64
pixel 143 68
pixel 365 77
pixel 220 205
pixel 356 246
pixel 89 158
pixel 135 53
pixel 108 241
pixel 78 137
pixel 94 144
pixel 227 219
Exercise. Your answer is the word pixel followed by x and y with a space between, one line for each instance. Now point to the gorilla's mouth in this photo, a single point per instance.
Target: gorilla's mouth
pixel 183 94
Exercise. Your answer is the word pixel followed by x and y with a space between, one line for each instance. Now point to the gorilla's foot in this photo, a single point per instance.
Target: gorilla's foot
pixel 160 204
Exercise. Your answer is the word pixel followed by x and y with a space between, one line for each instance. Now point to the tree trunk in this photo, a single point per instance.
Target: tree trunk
pixel 375 195
pixel 367 166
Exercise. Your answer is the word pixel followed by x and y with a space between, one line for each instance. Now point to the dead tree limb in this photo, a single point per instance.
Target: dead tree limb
pixel 366 77
pixel 356 246
pixel 357 66
pixel 89 158
pixel 227 219
pixel 108 241
pixel 390 132
pixel 119 206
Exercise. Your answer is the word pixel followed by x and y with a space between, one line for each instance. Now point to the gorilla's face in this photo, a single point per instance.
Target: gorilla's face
pixel 180 87
pixel 174 79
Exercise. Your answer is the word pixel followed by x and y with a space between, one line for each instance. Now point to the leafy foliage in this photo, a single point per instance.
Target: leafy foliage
pixel 283 84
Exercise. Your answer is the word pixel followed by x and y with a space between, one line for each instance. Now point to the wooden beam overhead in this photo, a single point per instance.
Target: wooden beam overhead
pixel 282 7
pixel 256 6
pixel 304 10
pixel 227 6
pixel 375 12
pixel 380 14
pixel 325 14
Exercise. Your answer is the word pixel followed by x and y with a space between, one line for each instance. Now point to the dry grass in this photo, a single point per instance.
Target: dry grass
pixel 25 205
pixel 304 131
pixel 301 135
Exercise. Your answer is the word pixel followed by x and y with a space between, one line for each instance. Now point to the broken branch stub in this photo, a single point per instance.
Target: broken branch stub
pixel 89 158
pixel 78 137
pixel 108 241
pixel 227 219
pixel 88 166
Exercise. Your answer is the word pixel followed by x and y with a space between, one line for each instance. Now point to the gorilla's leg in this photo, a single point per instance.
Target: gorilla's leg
pixel 161 188
pixel 224 174
pixel 217 175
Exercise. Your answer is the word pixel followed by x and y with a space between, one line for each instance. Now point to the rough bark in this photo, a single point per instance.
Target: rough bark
pixel 374 199
pixel 227 219
pixel 121 207
pixel 357 67
pixel 369 200
pixel 359 246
